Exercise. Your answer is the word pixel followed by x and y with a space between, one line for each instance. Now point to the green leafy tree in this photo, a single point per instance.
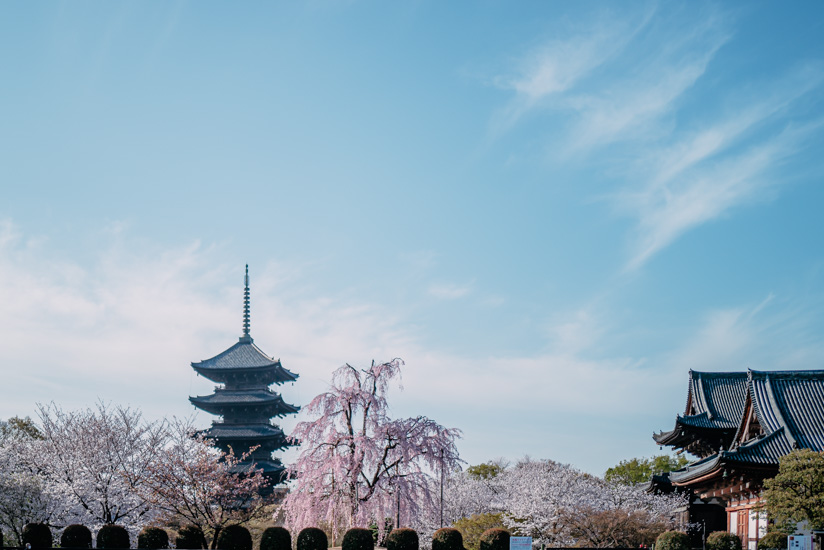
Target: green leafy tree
pixel 641 470
pixel 16 426
pixel 796 494
pixel 487 470
pixel 473 527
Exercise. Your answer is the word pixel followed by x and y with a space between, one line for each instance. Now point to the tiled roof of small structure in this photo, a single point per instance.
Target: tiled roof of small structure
pixel 696 469
pixel 243 355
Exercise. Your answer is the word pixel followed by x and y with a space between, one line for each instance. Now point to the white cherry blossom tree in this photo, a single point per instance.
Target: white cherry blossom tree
pixel 193 481
pixel 559 505
pixel 98 458
pixel 24 497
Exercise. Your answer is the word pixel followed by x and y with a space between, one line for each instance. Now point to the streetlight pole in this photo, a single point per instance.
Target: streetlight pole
pixel 442 488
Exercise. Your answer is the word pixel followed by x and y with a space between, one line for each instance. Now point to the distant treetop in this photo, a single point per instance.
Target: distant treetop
pixel 641 470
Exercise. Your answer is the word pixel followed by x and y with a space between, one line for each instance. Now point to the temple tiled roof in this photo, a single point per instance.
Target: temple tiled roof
pixel 793 400
pixel 715 401
pixel 789 407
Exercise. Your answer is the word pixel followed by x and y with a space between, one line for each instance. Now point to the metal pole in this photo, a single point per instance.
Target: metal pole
pixel 441 488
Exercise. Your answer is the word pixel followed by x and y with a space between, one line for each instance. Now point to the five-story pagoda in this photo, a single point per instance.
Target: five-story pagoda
pixel 245 401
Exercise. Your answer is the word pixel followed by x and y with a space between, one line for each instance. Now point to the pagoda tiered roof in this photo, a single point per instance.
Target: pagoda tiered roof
pixel 784 410
pixel 245 357
pixel 263 400
pixel 222 432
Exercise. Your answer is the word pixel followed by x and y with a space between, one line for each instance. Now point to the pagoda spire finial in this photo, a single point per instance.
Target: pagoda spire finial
pixel 246 336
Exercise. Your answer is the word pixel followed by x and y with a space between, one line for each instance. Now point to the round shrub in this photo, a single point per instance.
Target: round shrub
pixel 722 540
pixel 312 538
pixel 112 536
pixel 276 538
pixel 447 538
pixel 153 538
pixel 190 537
pixel 358 538
pixel 234 537
pixel 76 536
pixel 672 540
pixel 774 540
pixel 495 539
pixel 38 535
pixel 402 539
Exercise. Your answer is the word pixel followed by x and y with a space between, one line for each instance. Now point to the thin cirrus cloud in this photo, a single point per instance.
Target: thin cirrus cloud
pixel 636 100
pixel 449 291
pixel 775 333
pixel 554 68
pixel 702 176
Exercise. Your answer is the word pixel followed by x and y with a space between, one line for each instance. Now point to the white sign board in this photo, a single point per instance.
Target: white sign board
pixel 799 542
pixel 525 543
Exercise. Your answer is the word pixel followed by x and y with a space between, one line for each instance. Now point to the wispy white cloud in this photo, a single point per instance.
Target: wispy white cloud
pixel 669 212
pixel 773 334
pixel 557 66
pixel 705 175
pixel 625 91
pixel 632 100
pixel 449 291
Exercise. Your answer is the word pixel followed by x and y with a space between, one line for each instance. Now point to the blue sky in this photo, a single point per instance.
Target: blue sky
pixel 551 211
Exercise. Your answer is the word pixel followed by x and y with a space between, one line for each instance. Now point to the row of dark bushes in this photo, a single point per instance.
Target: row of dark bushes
pixel 236 537
pixel 719 540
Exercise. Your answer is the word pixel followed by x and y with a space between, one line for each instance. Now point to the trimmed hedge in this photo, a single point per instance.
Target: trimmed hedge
pixel 276 538
pixel 723 540
pixel 153 538
pixel 234 537
pixel 774 540
pixel 495 539
pixel 190 537
pixel 38 535
pixel 358 538
pixel 447 538
pixel 312 538
pixel 402 539
pixel 76 536
pixel 672 540
pixel 112 536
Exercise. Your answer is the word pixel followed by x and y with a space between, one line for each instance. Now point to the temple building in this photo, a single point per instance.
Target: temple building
pixel 739 424
pixel 245 402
